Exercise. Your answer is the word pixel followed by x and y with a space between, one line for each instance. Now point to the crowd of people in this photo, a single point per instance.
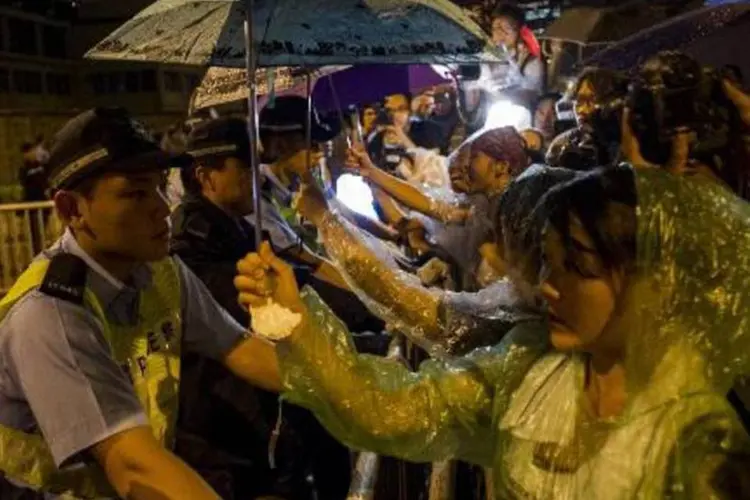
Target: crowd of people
pixel 578 302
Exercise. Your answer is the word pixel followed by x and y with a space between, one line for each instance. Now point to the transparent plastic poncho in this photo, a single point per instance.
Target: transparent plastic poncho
pixel 517 407
pixel 442 322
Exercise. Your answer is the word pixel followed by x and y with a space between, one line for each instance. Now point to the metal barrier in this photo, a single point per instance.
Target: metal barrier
pixel 25 230
pixel 365 473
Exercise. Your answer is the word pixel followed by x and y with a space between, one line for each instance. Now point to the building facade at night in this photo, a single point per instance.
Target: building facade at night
pixel 44 80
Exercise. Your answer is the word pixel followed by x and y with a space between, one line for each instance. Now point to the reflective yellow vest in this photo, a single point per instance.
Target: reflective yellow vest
pixel 150 354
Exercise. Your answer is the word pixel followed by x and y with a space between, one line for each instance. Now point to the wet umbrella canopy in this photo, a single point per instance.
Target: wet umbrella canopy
pixel 332 86
pixel 299 33
pixel 714 35
pixel 224 85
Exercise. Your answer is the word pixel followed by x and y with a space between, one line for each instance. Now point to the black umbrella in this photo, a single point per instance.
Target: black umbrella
pixel 715 36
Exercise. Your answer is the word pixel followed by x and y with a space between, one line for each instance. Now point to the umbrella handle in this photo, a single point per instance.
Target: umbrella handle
pixel 252 118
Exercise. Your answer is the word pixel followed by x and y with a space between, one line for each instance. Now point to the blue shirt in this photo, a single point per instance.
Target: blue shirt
pixel 57 374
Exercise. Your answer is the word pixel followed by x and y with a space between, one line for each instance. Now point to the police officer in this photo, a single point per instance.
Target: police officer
pixel 210 234
pixel 91 334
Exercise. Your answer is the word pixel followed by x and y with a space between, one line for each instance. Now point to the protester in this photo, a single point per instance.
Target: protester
pixel 591 143
pixel 523 82
pixel 480 169
pixel 633 364
pixel 440 321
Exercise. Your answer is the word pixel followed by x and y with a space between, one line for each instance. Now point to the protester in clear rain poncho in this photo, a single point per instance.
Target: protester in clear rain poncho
pixel 623 398
pixel 442 322
pixel 480 170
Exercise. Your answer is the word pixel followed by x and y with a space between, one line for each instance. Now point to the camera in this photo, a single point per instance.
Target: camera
pixel 672 92
pixel 383 118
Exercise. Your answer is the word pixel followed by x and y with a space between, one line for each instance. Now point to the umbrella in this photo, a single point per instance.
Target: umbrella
pixel 714 36
pixel 589 25
pixel 255 33
pixel 299 33
pixel 224 85
pixel 342 86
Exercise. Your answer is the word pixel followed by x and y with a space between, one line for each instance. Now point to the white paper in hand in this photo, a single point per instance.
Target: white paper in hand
pixel 273 321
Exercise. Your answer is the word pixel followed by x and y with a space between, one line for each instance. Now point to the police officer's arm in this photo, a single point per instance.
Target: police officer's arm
pixel 211 331
pixel 139 468
pixel 83 402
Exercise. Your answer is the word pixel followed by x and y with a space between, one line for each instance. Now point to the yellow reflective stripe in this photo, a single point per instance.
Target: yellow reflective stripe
pixel 26 457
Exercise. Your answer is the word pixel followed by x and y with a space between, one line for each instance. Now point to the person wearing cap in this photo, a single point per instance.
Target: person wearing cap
pixel 93 331
pixel 288 160
pixel 210 233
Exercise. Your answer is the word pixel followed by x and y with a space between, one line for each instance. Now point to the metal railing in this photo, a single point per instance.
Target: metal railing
pixel 442 481
pixel 25 230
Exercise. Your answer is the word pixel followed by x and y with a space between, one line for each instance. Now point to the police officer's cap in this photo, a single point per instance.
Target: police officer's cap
pixel 220 137
pixel 289 114
pixel 103 140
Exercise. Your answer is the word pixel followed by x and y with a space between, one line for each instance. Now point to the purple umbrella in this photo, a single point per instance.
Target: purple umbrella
pixel 332 85
pixel 364 84
pixel 715 36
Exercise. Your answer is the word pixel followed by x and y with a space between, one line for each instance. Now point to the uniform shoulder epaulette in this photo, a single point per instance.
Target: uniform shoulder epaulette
pixel 66 278
pixel 195 224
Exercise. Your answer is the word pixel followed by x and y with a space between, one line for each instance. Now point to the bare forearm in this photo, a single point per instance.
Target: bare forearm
pixel 173 480
pixel 254 361
pixel 413 198
pixel 375 228
pixel 403 192
pixel 139 468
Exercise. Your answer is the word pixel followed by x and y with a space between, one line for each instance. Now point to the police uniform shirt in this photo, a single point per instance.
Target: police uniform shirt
pixel 58 375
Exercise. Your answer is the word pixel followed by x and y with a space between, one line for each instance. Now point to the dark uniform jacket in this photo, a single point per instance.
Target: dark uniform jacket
pixel 225 427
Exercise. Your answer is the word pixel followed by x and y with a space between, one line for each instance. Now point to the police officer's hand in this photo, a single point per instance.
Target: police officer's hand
pixel 263 276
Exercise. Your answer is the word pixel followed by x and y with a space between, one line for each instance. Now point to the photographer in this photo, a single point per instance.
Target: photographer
pixel 396 130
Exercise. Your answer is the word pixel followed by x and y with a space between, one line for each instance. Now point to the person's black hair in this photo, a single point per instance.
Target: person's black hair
pixel 606 83
pixel 26 147
pixel 190 182
pixel 735 72
pixel 517 222
pixel 547 96
pixel 509 11
pixel 604 201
